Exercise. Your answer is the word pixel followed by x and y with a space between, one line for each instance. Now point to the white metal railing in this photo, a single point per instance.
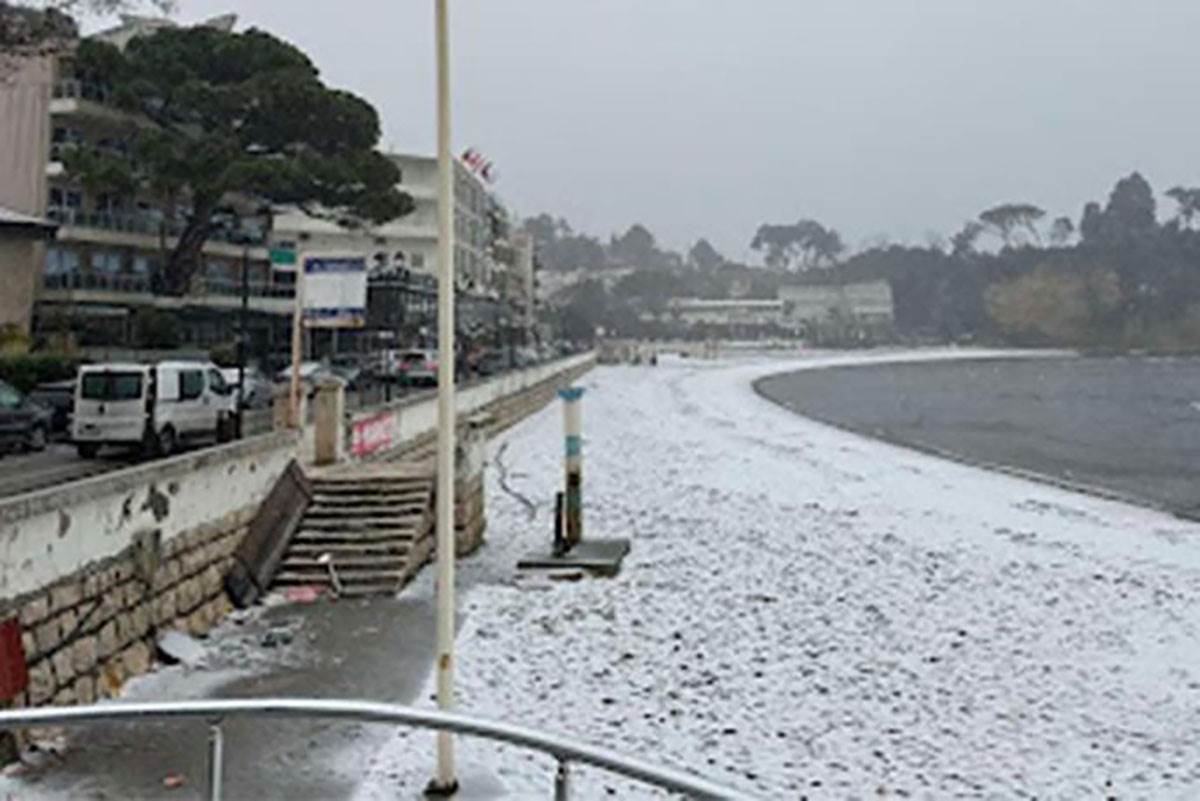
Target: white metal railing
pixel 565 752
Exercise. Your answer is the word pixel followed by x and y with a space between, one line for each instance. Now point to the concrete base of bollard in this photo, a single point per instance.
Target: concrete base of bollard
pixel 601 556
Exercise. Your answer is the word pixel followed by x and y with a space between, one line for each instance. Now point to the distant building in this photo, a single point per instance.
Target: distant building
pixel 840 312
pixel 721 319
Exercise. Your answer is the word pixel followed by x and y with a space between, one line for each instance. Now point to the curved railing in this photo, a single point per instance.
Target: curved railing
pixel 565 752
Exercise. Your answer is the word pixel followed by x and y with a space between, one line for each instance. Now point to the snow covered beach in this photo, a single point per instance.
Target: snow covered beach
pixel 808 612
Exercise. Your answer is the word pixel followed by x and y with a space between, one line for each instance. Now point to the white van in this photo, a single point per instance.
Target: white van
pixel 155 407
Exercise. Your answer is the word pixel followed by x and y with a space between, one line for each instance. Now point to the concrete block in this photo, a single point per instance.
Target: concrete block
pixel 134 593
pixel 112 602
pixel 107 641
pixel 211 581
pixel 66 595
pixel 47 636
pixel 136 659
pixel 68 624
pixel 35 610
pixel 29 646
pixel 164 607
pixel 41 682
pixel 83 655
pixel 64 697
pixel 125 630
pixel 112 677
pixel 141 619
pixel 91 585
pixel 85 690
pixel 64 666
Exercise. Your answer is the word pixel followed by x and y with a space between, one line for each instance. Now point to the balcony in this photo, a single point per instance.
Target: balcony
pixel 71 89
pixel 144 290
pixel 139 223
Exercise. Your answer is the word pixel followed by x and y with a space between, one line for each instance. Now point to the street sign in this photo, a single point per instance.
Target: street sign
pixel 283 257
pixel 335 291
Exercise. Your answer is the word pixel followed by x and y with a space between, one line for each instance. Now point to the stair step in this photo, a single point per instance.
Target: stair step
pixel 343 563
pixel 332 499
pixel 365 512
pixel 399 537
pixel 349 523
pixel 339 549
pixel 377 577
pixel 371 487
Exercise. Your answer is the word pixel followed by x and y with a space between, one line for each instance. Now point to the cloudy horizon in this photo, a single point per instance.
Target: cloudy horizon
pixel 884 119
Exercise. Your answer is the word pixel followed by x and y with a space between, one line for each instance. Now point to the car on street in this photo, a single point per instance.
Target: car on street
pixel 258 389
pixel 419 368
pixel 154 407
pixel 24 424
pixel 59 398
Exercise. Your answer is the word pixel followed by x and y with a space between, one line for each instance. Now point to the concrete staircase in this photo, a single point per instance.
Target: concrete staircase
pixel 363 534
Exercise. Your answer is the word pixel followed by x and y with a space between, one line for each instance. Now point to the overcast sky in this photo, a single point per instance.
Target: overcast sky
pixel 708 117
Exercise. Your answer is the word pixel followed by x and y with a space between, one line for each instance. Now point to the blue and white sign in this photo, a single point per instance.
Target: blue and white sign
pixel 335 291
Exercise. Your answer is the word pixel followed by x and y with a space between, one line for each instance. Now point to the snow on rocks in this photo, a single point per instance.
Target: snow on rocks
pixel 807 612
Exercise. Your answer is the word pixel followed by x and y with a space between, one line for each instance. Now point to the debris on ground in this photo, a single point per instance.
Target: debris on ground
pixel 306 594
pixel 173 781
pixel 175 647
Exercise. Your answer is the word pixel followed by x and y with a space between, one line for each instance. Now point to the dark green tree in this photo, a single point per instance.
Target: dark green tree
pixel 238 116
pixel 1004 220
pixel 703 256
pixel 635 248
pixel 1187 201
pixel 1061 230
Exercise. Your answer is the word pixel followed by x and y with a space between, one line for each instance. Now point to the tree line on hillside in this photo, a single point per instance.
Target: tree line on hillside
pixel 1119 279
pixel 1115 279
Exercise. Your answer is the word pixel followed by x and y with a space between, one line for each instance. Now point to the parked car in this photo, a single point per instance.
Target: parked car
pixel 24 425
pixel 258 389
pixel 491 363
pixel 419 367
pixel 59 398
pixel 155 407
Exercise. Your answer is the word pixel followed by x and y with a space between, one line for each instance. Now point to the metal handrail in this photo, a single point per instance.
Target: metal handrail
pixel 563 750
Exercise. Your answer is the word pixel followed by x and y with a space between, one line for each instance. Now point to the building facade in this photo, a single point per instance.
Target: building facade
pixel 98 283
pixel 860 312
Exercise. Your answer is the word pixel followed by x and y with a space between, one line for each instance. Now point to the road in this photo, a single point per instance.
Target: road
pixel 1128 425
pixel 59 463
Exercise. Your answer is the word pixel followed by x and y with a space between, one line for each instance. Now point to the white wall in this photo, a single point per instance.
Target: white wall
pixel 50 534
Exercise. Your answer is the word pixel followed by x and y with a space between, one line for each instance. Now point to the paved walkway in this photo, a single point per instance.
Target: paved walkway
pixel 380 649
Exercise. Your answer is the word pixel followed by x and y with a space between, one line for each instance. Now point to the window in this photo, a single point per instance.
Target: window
pixel 9 397
pixel 398 258
pixel 109 386
pixel 59 135
pixel 418 260
pixel 191 384
pixel 216 382
pixel 56 197
pixel 61 260
pixel 74 199
pixel 106 262
pixel 143 264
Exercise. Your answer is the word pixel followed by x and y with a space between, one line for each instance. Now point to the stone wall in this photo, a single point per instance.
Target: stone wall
pixel 85 635
pixel 94 570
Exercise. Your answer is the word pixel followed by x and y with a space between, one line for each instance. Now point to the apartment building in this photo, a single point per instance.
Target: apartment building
pixel 98 283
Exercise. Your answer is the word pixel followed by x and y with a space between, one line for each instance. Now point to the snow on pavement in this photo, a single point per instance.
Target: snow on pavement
pixel 810 613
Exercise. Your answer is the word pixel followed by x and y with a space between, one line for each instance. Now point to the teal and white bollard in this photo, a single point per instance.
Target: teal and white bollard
pixel 573 433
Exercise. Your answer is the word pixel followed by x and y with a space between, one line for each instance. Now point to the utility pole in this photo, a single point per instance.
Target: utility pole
pixel 241 348
pixel 446 781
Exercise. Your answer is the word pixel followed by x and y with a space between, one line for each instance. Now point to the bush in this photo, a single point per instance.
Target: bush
pixel 224 355
pixel 27 371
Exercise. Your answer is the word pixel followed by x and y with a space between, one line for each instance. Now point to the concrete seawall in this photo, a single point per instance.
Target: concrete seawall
pixel 91 571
